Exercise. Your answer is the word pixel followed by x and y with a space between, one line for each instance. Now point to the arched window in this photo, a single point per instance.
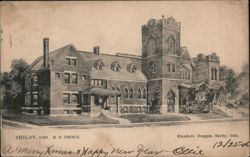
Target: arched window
pixel 131 93
pixel 118 88
pixel 185 75
pixel 139 96
pixel 126 93
pixel 100 67
pixel 214 74
pixel 117 68
pixel 99 64
pixel 144 94
pixel 171 45
pixel 133 69
pixel 151 46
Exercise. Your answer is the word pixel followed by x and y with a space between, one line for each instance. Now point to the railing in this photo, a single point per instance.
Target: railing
pixel 227 111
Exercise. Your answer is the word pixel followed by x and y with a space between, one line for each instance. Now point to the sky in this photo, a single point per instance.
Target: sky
pixel 206 27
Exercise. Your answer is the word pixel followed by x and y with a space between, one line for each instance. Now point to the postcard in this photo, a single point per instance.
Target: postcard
pixel 129 79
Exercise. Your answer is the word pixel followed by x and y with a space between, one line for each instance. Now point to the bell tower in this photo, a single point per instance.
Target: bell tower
pixel 160 45
pixel 161 62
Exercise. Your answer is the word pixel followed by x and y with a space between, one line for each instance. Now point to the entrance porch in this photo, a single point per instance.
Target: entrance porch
pixel 94 99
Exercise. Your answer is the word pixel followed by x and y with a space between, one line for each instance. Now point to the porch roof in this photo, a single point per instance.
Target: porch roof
pixel 100 91
pixel 186 85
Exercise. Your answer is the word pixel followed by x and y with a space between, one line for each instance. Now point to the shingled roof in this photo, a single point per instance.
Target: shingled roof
pixel 108 73
pixel 90 58
pixel 37 64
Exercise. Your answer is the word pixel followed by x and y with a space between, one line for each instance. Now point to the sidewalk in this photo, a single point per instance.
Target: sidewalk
pixel 163 123
pixel 108 114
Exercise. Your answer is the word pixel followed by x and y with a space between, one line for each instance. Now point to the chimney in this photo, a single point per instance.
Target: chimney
pixel 96 50
pixel 45 52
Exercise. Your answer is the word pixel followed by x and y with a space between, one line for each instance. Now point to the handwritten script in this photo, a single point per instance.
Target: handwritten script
pixel 140 150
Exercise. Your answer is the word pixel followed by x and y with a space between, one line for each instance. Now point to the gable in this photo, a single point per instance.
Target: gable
pixel 185 55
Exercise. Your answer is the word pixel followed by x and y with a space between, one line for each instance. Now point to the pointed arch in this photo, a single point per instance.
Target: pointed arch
pixel 171 44
pixel 126 93
pixel 144 93
pixel 131 93
pixel 151 46
pixel 171 100
pixel 139 94
pixel 185 74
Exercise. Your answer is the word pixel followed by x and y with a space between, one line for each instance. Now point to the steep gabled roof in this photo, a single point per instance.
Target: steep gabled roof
pixel 108 73
pixel 185 55
pixel 37 64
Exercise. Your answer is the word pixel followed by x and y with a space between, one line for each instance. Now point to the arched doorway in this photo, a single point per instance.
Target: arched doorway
pixel 171 100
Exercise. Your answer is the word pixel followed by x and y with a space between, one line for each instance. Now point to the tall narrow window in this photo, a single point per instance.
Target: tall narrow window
pixel 173 67
pixel 171 45
pixel 28 100
pixel 126 93
pixel 74 78
pixel 212 76
pixel 185 75
pixel 144 94
pixel 215 72
pixel 99 82
pixel 131 93
pixel 35 99
pixel 139 96
pixel 74 98
pixel 151 46
pixel 66 98
pixel 74 62
pixel 168 67
pixel 35 79
pixel 67 78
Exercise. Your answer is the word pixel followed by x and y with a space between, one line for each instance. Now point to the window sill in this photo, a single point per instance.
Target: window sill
pixel 71 104
pixel 70 84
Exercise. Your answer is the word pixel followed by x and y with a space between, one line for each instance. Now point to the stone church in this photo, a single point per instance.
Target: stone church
pixel 71 81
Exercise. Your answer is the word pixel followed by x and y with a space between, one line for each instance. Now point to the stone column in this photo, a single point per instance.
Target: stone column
pixel 94 110
pixel 176 105
pixel 118 105
pixel 164 106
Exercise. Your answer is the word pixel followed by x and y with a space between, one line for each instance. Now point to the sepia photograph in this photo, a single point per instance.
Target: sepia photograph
pixel 128 79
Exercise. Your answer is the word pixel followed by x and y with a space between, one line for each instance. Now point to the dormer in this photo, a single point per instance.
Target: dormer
pixel 131 68
pixel 115 66
pixel 99 64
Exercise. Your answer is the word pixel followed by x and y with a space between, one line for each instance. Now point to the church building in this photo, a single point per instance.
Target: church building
pixel 71 81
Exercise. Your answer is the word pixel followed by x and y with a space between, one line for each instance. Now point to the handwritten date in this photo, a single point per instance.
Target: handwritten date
pixel 231 144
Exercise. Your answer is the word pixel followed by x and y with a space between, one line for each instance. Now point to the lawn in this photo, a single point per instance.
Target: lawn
pixel 141 118
pixel 205 116
pixel 59 120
